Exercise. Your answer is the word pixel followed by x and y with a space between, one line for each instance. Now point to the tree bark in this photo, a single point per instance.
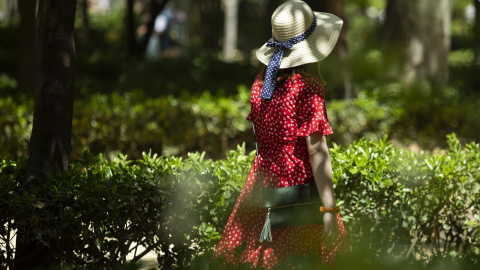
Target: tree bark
pixel 26 41
pixel 476 46
pixel 84 31
pixel 85 20
pixel 205 16
pixel 230 29
pixel 52 121
pixel 417 40
pixel 130 28
pixel 477 34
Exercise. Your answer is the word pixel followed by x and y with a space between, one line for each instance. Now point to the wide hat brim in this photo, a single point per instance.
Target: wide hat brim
pixel 315 48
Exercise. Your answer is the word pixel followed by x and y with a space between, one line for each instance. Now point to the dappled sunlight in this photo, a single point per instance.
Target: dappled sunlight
pixel 156 146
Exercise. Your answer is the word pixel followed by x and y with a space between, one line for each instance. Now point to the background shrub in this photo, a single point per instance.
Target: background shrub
pixel 398 206
pixel 133 122
pixel 96 213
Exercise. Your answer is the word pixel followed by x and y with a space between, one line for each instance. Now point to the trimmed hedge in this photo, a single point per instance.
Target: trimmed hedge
pixel 91 215
pixel 409 204
pixel 399 207
pixel 132 122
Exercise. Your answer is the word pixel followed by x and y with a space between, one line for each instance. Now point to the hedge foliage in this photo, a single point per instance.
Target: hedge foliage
pixel 399 207
pixel 96 213
pixel 410 204
pixel 133 122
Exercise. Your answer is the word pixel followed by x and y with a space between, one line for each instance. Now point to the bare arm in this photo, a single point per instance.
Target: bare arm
pixel 322 172
pixel 321 167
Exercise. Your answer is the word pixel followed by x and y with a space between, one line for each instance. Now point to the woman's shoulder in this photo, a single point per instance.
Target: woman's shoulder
pixel 308 84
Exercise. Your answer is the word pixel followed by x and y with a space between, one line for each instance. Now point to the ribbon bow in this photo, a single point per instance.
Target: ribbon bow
pixel 276 59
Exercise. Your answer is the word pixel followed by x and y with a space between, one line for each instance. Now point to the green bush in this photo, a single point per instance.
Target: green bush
pixel 133 122
pixel 425 114
pixel 96 213
pixel 16 118
pixel 409 204
pixel 400 208
pixel 362 117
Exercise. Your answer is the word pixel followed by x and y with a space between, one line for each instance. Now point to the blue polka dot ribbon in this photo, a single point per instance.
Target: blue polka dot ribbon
pixel 276 59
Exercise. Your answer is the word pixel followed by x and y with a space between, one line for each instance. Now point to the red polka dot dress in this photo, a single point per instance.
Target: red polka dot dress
pixel 297 109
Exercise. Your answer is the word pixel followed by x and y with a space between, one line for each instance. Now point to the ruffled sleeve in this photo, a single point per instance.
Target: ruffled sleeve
pixel 311 111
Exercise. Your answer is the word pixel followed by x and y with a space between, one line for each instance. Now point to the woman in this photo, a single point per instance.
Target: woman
pixel 289 115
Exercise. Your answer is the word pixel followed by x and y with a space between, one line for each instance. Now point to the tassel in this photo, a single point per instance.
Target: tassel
pixel 266 234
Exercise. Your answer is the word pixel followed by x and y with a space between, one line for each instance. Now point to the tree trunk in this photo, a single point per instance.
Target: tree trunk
pixel 85 20
pixel 417 40
pixel 52 121
pixel 205 18
pixel 130 28
pixel 83 33
pixel 231 29
pixel 477 34
pixel 476 46
pixel 26 41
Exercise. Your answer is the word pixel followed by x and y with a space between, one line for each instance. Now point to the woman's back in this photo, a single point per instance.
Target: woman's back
pixel 288 111
pixel 296 110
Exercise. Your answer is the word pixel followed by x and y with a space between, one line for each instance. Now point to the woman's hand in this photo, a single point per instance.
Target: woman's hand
pixel 330 229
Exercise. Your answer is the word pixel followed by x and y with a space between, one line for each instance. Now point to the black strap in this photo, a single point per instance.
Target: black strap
pixel 256 147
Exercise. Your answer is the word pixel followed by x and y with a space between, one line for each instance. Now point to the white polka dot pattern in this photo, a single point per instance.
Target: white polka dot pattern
pixel 297 109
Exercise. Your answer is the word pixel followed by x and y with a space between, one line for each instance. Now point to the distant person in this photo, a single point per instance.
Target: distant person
pixel 168 31
pixel 290 119
pixel 162 27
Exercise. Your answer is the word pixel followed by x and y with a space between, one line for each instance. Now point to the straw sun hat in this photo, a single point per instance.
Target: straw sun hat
pixel 293 18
